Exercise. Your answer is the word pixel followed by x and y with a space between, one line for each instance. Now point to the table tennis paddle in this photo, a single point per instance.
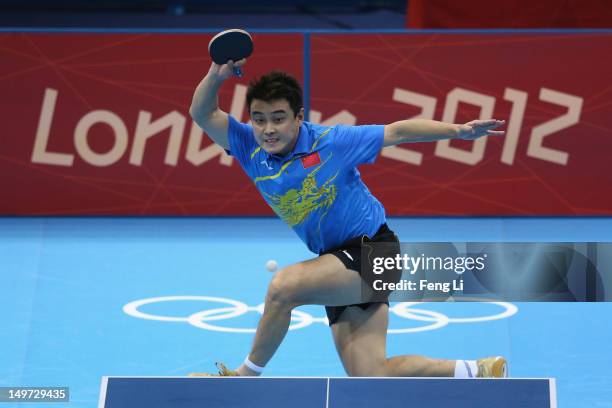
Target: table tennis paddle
pixel 232 45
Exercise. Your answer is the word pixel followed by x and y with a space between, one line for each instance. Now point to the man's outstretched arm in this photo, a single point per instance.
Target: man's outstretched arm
pixel 204 109
pixel 425 130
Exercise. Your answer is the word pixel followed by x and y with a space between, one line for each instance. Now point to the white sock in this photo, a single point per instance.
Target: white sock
pixel 250 368
pixel 466 369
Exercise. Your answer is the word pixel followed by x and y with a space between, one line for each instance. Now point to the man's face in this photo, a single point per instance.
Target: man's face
pixel 276 128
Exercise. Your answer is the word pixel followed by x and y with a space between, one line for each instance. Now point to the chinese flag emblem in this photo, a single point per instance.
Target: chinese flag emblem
pixel 311 160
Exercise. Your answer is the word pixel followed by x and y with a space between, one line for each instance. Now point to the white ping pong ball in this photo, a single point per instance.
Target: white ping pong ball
pixel 272 265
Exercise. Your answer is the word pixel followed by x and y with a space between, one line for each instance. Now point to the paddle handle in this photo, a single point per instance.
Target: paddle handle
pixel 238 72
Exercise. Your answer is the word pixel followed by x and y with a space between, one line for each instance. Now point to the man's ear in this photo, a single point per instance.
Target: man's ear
pixel 300 115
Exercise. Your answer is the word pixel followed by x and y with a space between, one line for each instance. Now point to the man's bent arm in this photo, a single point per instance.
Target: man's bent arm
pixel 204 108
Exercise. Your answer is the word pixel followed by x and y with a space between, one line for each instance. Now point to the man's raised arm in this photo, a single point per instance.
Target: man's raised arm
pixel 204 108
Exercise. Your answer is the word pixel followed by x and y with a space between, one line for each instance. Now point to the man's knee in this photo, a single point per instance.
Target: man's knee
pixel 373 369
pixel 284 287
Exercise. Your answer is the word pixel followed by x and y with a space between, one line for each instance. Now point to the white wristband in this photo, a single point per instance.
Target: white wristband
pixel 253 366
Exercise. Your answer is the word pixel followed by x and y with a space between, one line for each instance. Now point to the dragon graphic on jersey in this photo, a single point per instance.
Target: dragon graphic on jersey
pixel 294 206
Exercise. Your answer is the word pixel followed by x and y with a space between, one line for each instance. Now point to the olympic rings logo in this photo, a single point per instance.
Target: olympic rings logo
pixel 205 319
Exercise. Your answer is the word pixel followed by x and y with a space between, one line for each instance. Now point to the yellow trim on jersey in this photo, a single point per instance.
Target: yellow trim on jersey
pixel 264 178
pixel 255 152
pixel 319 138
pixel 272 177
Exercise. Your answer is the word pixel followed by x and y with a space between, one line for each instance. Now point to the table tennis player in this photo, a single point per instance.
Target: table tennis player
pixel 307 173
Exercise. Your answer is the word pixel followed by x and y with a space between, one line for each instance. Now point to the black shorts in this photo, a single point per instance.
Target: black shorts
pixel 349 254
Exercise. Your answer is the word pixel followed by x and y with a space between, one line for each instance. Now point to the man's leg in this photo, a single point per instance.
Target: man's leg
pixel 320 281
pixel 361 338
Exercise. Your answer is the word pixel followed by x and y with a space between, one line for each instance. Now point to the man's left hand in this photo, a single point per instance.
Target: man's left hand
pixel 478 128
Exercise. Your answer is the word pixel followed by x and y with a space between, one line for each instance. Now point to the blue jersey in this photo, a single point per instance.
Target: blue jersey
pixel 316 188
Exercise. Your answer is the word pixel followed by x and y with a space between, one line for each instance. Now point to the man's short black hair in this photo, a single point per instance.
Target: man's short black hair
pixel 274 86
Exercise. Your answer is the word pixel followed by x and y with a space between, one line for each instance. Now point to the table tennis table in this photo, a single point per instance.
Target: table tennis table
pixel 311 392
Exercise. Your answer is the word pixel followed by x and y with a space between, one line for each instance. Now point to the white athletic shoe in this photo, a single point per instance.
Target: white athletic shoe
pixel 223 372
pixel 496 367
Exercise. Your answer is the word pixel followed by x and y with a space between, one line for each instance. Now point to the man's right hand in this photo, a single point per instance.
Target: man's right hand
pixel 223 72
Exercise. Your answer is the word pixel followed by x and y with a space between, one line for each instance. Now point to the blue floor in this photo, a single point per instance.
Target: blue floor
pixel 65 284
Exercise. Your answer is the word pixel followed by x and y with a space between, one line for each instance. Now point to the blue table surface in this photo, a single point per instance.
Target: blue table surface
pixel 325 392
